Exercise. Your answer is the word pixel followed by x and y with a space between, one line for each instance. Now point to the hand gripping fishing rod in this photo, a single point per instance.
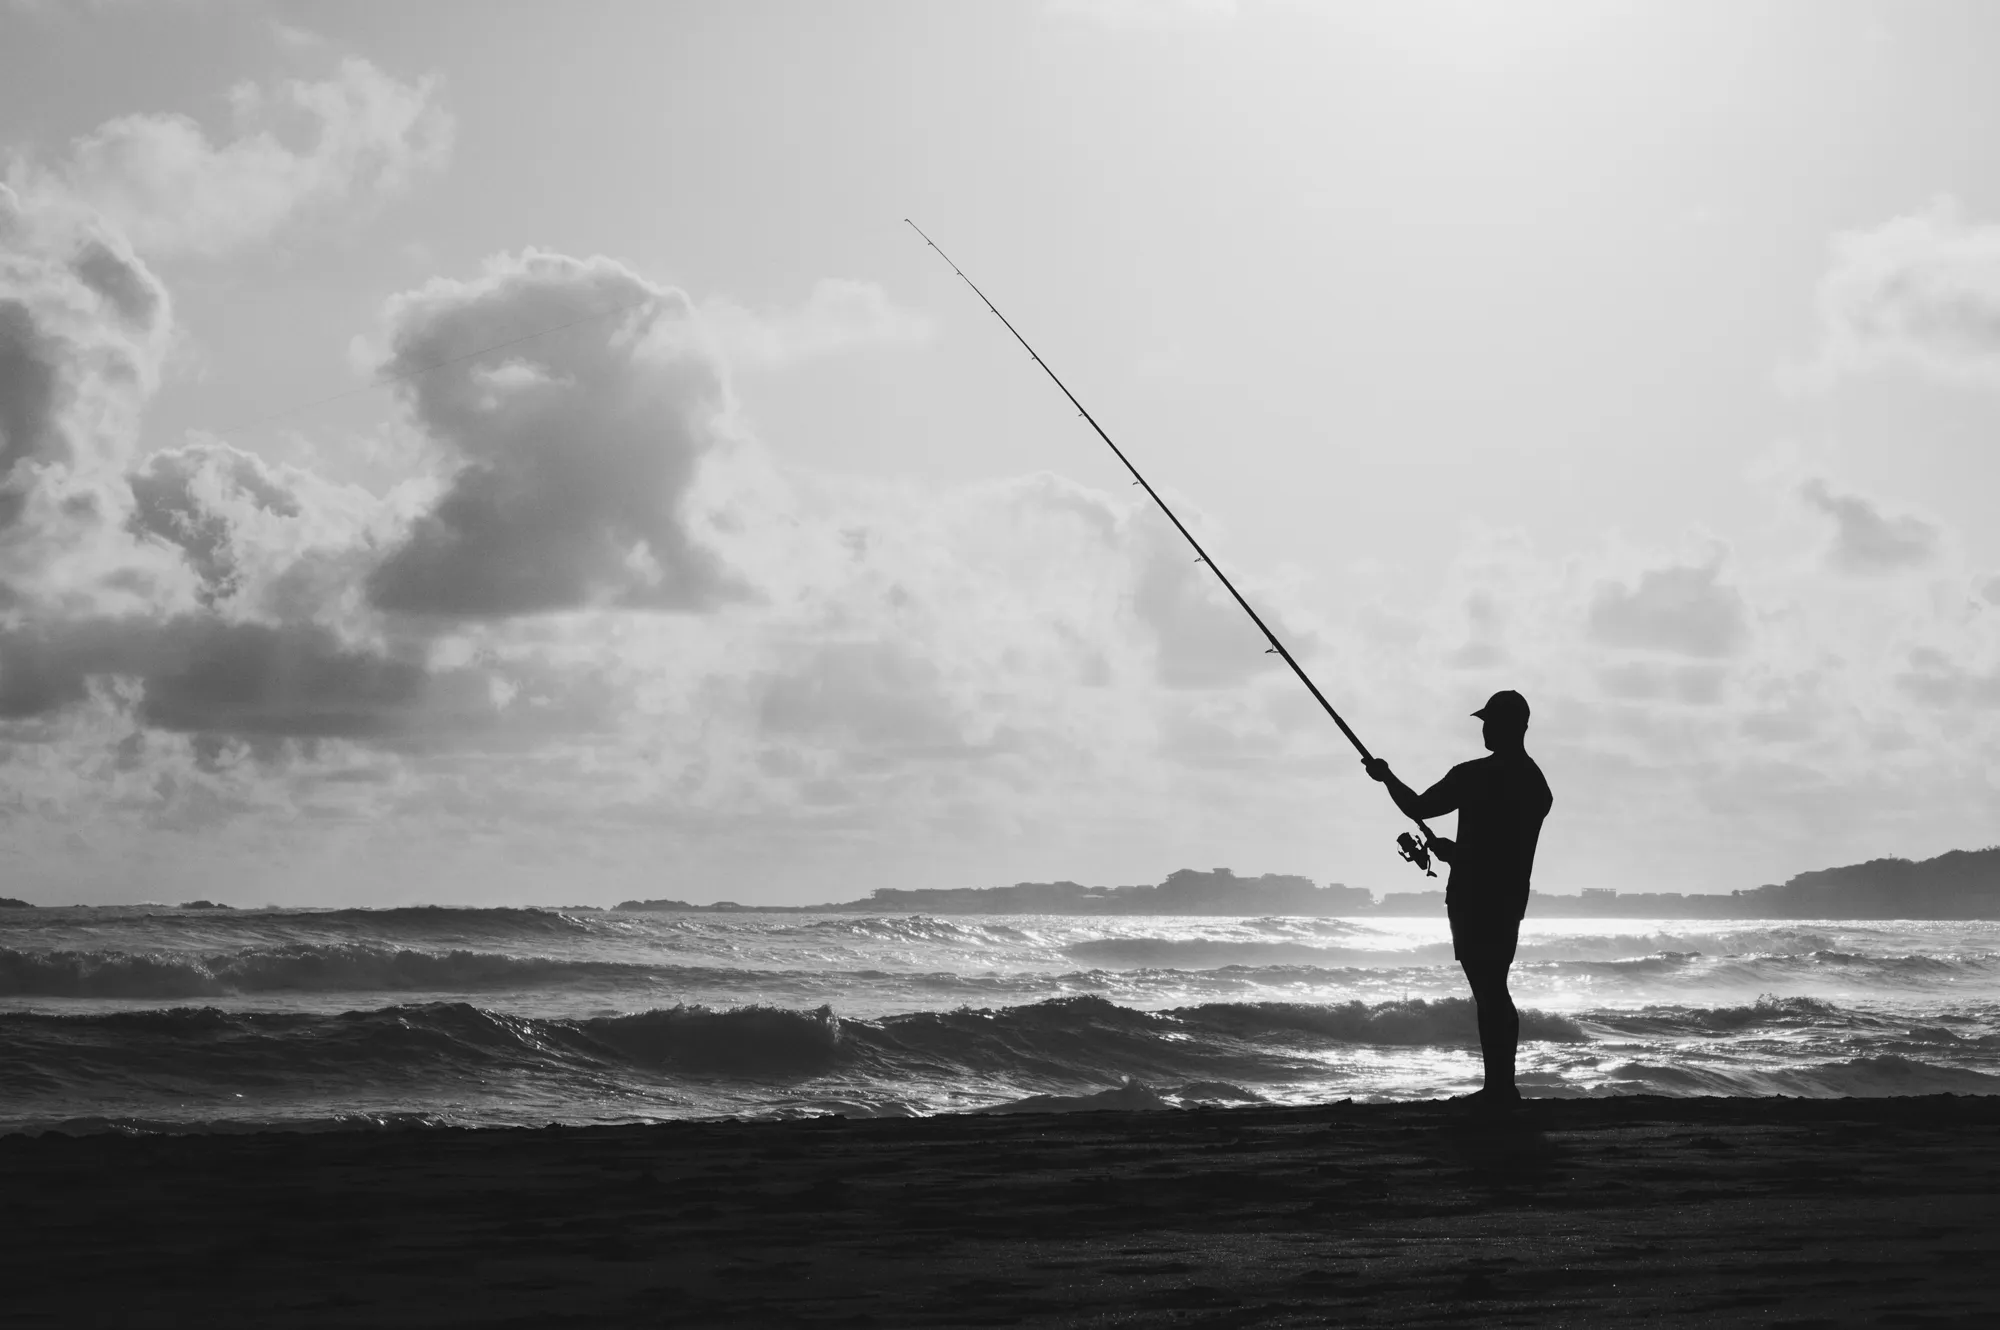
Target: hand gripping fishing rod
pixel 1416 851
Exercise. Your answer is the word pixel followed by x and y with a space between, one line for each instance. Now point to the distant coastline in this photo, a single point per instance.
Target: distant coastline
pixel 1960 884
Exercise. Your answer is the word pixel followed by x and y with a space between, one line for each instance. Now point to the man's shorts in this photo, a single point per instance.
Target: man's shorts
pixel 1485 938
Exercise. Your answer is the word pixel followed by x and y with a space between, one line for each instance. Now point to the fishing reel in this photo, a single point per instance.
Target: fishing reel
pixel 1416 852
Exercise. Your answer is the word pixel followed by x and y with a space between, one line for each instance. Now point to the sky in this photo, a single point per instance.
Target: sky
pixel 493 452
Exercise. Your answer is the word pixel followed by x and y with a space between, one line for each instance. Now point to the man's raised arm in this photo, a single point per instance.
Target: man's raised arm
pixel 1438 800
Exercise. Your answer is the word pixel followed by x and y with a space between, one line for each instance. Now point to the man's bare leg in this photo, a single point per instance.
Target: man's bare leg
pixel 1499 1025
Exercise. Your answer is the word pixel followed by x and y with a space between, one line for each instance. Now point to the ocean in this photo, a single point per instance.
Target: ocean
pixel 154 1018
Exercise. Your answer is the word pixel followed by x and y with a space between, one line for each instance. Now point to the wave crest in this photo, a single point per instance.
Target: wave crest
pixel 297 967
pixel 753 1040
pixel 1413 1021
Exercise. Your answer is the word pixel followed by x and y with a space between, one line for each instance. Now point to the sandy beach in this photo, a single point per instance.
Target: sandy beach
pixel 1764 1212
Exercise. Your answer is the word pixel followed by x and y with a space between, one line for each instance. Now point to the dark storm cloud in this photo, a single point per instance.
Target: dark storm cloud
pixel 30 400
pixel 575 451
pixel 255 679
pixel 1683 611
pixel 1865 539
pixel 41 672
pixel 203 675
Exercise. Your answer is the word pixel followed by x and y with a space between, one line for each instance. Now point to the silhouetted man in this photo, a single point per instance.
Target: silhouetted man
pixel 1501 801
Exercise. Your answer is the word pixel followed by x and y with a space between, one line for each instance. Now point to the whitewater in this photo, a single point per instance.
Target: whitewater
pixel 159 1018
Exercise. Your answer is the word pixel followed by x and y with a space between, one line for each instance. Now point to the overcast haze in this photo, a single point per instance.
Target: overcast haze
pixel 1644 358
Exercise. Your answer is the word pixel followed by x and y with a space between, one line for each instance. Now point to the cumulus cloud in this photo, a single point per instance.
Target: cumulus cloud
pixel 1867 540
pixel 1922 290
pixel 183 496
pixel 161 181
pixel 84 327
pixel 573 457
pixel 1680 610
pixel 214 661
pixel 176 589
pixel 251 644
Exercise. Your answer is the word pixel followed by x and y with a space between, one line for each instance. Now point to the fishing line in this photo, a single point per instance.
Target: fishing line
pixel 1411 849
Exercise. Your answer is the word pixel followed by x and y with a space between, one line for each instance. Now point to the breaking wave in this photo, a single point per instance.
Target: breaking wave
pixel 492 919
pixel 1879 1076
pixel 157 1014
pixel 1058 1046
pixel 906 928
pixel 1062 1041
pixel 1758 971
pixel 299 967
pixel 1186 953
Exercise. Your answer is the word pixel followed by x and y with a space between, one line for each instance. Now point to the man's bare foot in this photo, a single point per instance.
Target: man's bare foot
pixel 1492 1099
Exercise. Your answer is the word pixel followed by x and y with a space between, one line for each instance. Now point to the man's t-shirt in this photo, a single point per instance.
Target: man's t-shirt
pixel 1500 801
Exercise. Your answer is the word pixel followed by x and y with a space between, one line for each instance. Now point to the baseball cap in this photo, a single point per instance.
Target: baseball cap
pixel 1505 705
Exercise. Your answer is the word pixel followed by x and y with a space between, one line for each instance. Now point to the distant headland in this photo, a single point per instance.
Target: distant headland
pixel 1961 884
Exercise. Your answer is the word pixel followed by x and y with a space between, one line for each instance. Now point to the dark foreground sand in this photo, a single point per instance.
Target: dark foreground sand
pixel 1668 1212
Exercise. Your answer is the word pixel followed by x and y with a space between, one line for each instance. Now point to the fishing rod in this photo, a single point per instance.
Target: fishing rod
pixel 1416 851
